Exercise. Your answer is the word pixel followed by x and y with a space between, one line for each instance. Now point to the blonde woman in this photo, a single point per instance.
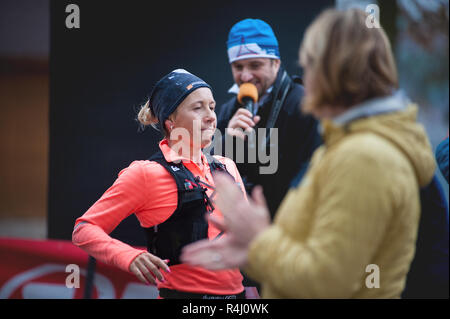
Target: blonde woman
pixel 170 194
pixel 349 229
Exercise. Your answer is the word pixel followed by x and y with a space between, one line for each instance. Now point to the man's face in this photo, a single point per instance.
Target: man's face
pixel 261 72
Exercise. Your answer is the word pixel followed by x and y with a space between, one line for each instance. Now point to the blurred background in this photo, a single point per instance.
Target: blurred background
pixel 69 97
pixel 24 114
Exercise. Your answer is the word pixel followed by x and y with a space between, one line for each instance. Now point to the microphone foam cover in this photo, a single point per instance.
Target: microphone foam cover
pixel 247 90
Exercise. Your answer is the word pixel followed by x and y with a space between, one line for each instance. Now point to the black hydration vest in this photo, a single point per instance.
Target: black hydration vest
pixel 187 223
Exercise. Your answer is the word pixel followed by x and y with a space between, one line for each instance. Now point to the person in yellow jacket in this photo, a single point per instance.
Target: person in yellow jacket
pixel 349 229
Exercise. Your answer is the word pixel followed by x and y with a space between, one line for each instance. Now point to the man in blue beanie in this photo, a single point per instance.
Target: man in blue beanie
pixel 254 57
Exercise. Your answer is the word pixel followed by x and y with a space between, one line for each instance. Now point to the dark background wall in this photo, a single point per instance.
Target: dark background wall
pixel 102 72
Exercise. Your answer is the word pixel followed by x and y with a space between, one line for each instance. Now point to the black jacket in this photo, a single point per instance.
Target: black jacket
pixel 298 137
pixel 428 275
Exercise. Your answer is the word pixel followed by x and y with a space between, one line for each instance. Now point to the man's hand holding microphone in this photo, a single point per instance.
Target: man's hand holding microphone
pixel 243 121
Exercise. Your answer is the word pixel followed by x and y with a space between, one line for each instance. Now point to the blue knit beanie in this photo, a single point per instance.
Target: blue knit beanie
pixel 252 38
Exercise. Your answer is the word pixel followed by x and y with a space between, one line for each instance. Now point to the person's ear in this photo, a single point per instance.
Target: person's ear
pixel 169 125
pixel 277 62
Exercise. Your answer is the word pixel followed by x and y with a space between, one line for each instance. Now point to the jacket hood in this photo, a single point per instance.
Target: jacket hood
pixel 395 119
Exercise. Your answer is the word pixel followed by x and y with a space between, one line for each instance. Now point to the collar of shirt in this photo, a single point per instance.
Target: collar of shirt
pixel 393 103
pixel 388 104
pixel 171 156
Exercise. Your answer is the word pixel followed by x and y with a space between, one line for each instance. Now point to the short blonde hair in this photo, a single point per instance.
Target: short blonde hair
pixel 348 61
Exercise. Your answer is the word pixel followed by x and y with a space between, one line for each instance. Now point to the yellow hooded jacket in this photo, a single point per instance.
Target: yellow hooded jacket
pixel 351 225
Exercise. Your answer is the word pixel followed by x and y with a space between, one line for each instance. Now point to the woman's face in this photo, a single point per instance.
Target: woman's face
pixel 196 116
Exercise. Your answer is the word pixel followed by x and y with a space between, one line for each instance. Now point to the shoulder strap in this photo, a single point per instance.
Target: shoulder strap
pixel 184 179
pixel 279 97
pixel 215 165
pixel 157 156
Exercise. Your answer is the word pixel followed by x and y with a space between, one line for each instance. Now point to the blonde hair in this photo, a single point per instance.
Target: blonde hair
pixel 348 61
pixel 146 118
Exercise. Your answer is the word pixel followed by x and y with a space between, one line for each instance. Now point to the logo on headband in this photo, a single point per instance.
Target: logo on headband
pixel 190 86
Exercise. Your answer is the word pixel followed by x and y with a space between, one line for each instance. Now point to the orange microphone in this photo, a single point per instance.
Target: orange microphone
pixel 248 95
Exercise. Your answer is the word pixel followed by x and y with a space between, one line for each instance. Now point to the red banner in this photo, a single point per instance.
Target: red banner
pixel 58 270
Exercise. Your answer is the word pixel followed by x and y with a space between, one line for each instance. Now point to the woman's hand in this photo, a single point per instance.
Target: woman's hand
pixel 242 222
pixel 147 266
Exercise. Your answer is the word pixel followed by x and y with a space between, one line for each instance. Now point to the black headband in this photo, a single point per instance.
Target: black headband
pixel 171 90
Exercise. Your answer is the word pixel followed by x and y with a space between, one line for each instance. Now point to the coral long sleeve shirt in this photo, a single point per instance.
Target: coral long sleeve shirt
pixel 147 190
